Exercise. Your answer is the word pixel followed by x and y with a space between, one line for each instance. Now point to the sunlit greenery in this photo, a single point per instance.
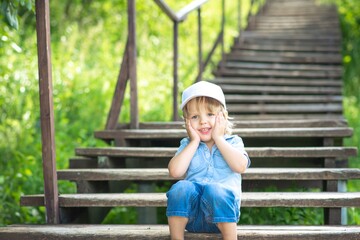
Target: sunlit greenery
pixel 88 40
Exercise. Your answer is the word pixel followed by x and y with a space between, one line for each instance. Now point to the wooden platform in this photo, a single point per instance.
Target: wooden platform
pixel 137 232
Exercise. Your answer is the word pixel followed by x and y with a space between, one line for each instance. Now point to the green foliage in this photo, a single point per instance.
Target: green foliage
pixel 10 9
pixel 349 11
pixel 88 40
pixel 123 215
pixel 282 216
pixel 20 144
pixel 349 17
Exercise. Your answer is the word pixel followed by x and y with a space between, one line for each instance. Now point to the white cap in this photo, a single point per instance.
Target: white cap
pixel 203 89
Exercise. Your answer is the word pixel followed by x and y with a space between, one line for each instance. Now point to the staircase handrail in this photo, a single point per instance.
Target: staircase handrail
pixel 182 13
pixel 128 66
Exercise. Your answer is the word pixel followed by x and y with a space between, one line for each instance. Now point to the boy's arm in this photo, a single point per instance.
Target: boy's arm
pixel 234 157
pixel 179 164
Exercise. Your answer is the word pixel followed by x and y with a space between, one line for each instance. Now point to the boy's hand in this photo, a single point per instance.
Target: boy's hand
pixel 220 126
pixel 193 135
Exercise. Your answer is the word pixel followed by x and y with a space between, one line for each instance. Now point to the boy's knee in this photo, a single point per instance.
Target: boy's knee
pixel 181 189
pixel 217 193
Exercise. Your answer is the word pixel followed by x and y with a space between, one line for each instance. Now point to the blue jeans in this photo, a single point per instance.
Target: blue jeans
pixel 204 205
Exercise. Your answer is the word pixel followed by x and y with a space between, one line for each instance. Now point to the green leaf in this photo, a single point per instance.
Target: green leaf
pixel 10 15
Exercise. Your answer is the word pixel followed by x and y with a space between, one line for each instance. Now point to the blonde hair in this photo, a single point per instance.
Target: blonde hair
pixel 211 105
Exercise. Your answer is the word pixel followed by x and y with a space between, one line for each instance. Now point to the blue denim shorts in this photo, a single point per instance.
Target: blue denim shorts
pixel 204 205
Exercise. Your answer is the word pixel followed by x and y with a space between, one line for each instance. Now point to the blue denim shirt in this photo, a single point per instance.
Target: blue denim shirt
pixel 211 167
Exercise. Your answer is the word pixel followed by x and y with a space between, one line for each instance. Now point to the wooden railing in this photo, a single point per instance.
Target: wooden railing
pixel 128 67
pixel 127 71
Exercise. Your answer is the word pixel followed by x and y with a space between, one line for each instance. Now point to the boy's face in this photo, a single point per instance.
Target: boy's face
pixel 202 120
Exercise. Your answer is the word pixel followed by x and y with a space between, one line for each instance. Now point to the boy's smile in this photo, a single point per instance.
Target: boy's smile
pixel 203 121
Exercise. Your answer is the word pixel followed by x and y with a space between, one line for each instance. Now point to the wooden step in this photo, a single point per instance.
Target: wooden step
pixel 284 36
pixel 232 72
pixel 290 42
pixel 231 99
pixel 283 116
pixel 316 68
pixel 300 11
pixel 315 14
pixel 288 48
pixel 161 174
pixel 271 81
pixel 332 132
pixel 283 58
pixel 248 199
pixel 263 152
pixel 295 24
pixel 294 123
pixel 272 28
pixel 161 232
pixel 294 90
pixel 310 55
pixel 285 108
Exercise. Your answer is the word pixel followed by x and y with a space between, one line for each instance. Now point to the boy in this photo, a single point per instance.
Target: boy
pixel 211 159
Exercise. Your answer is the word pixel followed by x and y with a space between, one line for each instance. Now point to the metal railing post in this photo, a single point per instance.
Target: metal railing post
pixel 132 64
pixel 175 72
pixel 222 33
pixel 200 46
pixel 239 16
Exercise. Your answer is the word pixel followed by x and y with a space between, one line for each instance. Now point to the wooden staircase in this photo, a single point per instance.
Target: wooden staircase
pixel 282 81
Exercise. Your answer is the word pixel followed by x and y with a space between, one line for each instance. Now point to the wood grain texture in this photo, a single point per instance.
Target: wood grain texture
pixel 161 232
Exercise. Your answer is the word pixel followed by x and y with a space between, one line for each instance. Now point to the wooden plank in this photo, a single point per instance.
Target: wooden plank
pixel 160 174
pixel 276 29
pixel 263 152
pixel 320 15
pixel 285 54
pixel 280 66
pixel 290 42
pixel 283 116
pixel 243 132
pixel 238 89
pixel 276 81
pixel 46 110
pixel 284 36
pixel 322 23
pixel 231 99
pixel 285 108
pixel 284 59
pixel 300 11
pixel 293 123
pixel 161 232
pixel 229 71
pixel 328 27
pixel 248 199
pixel 119 94
pixel 300 48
